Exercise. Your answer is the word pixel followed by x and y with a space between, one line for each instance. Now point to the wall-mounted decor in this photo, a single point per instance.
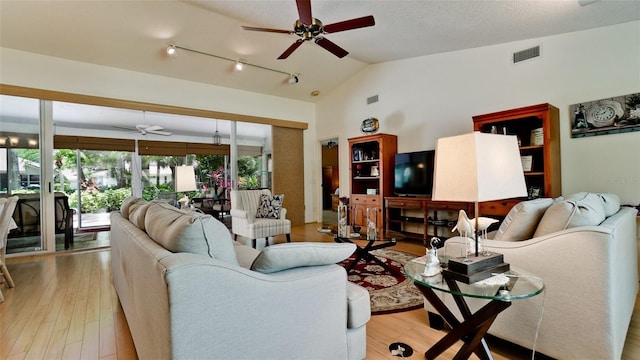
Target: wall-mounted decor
pixel 370 125
pixel 614 115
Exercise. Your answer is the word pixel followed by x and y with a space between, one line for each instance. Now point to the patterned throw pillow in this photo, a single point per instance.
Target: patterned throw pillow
pixel 270 206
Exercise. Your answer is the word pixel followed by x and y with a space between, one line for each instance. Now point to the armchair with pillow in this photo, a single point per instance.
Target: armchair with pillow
pixel 257 214
pixel 584 247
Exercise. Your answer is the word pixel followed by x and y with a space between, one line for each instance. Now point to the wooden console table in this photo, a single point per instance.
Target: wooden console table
pixel 395 214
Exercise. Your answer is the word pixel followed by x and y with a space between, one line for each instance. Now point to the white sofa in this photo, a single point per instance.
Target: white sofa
pixel 590 273
pixel 190 292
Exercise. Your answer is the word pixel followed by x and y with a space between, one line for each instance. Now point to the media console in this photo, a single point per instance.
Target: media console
pixel 401 211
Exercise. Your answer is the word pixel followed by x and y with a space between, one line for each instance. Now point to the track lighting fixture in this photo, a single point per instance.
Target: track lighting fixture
pixel 293 78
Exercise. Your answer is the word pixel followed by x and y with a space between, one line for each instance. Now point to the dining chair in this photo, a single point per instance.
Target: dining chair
pixel 6 223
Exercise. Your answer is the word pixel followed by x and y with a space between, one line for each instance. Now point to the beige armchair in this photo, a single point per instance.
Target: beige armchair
pixel 245 221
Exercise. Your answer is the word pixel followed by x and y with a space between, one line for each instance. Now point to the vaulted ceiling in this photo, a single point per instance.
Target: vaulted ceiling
pixel 134 34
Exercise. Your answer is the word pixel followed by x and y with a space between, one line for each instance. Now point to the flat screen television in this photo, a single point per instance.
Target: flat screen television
pixel 413 173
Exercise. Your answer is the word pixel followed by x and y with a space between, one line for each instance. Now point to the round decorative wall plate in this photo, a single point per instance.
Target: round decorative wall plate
pixel 604 112
pixel 369 125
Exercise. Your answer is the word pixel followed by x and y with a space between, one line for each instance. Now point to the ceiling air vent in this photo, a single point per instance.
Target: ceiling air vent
pixel 372 99
pixel 527 54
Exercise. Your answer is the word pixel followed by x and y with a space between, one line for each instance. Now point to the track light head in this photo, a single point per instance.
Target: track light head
pixel 293 79
pixel 171 49
pixel 239 65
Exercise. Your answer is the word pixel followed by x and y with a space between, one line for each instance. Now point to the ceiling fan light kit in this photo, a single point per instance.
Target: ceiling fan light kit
pixel 310 28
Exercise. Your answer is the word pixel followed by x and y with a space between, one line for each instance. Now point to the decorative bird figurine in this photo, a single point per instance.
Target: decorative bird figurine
pixel 466 226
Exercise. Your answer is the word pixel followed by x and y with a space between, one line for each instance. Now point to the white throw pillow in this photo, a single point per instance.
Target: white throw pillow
pixel 522 220
pixel 611 202
pixel 292 255
pixel 585 211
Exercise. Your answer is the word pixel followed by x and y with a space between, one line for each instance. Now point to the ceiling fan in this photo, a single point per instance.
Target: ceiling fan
pixel 148 129
pixel 310 28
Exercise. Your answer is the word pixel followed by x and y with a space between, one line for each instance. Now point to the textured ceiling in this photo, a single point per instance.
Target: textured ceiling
pixel 134 34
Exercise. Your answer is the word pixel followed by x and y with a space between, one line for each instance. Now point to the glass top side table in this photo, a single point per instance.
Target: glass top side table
pixel 500 290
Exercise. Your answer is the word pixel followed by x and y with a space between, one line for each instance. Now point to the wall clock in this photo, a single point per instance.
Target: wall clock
pixel 604 113
pixel 369 125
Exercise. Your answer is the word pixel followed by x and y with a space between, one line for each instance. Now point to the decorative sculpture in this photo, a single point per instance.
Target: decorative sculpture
pixel 467 227
pixel 432 266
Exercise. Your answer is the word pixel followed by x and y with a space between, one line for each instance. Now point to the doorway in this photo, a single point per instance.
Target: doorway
pixel 330 181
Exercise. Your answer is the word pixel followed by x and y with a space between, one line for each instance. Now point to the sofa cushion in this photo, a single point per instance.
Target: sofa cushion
pixel 126 205
pixel 575 211
pixel 137 212
pixel 245 254
pixel 292 255
pixel 358 306
pixel 189 231
pixel 522 220
pixel 611 202
pixel 270 206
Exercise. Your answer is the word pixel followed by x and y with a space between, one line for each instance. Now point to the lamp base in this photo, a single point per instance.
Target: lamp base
pixel 476 276
pixel 475 268
pixel 475 263
pixel 184 202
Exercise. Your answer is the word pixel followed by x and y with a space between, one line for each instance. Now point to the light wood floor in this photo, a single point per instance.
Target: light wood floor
pixel 64 307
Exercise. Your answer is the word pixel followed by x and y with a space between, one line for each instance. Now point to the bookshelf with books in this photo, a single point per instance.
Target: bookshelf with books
pixel 538 132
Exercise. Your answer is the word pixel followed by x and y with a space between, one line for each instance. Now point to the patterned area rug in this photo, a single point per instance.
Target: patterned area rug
pixel 389 292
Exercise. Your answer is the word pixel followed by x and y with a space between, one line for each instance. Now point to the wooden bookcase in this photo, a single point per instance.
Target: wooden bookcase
pixel 544 177
pixel 371 174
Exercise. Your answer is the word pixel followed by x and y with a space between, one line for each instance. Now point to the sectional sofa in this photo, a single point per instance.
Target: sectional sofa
pixel 190 292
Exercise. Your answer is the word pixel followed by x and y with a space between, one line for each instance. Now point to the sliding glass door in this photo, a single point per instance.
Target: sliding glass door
pixel 96 182
pixel 20 170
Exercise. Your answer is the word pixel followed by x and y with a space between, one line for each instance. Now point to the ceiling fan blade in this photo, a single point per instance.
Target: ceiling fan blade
pixel 158 132
pixel 331 47
pixel 304 11
pixel 291 49
pixel 350 24
pixel 123 128
pixel 153 128
pixel 251 28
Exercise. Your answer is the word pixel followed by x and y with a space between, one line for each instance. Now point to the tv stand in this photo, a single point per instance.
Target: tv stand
pixel 397 210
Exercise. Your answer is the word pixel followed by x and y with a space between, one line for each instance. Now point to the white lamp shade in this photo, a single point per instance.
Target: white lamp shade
pixel 478 167
pixel 185 179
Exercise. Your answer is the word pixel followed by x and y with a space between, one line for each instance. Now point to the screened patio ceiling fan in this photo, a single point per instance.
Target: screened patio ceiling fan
pixel 147 129
pixel 310 28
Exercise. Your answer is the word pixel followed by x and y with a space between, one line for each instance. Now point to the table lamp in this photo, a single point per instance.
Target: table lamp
pixel 478 167
pixel 185 181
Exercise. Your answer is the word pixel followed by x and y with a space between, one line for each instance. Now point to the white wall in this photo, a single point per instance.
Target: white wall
pixel 49 73
pixel 422 99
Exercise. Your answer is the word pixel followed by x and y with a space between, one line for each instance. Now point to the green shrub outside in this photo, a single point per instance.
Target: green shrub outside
pixel 95 201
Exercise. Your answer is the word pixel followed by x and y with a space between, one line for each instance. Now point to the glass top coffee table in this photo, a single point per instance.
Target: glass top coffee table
pixel 383 239
pixel 500 289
